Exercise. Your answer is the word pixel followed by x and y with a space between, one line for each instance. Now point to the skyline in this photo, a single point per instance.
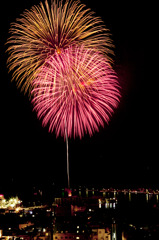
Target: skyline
pixel 121 146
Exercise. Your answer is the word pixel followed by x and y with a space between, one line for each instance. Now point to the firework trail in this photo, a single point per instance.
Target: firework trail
pixel 45 30
pixel 75 90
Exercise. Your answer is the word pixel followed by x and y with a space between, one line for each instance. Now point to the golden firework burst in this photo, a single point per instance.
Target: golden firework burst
pixel 46 29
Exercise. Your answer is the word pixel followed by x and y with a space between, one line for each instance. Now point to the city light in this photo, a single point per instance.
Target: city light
pixel 12 203
pixel 65 223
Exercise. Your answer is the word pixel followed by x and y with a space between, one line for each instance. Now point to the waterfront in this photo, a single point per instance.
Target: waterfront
pixel 83 213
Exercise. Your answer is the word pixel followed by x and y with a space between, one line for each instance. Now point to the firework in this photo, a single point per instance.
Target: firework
pixel 46 30
pixel 75 91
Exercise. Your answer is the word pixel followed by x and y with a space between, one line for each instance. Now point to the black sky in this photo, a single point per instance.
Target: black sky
pixel 120 154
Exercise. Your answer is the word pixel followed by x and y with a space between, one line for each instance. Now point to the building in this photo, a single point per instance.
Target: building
pixel 100 234
pixel 68 236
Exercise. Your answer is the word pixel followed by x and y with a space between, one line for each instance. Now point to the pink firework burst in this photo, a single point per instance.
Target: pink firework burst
pixel 75 90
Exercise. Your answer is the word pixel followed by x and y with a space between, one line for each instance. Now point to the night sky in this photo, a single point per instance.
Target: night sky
pixel 121 154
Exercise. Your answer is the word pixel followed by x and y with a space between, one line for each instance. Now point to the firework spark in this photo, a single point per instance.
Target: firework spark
pixel 46 30
pixel 76 90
